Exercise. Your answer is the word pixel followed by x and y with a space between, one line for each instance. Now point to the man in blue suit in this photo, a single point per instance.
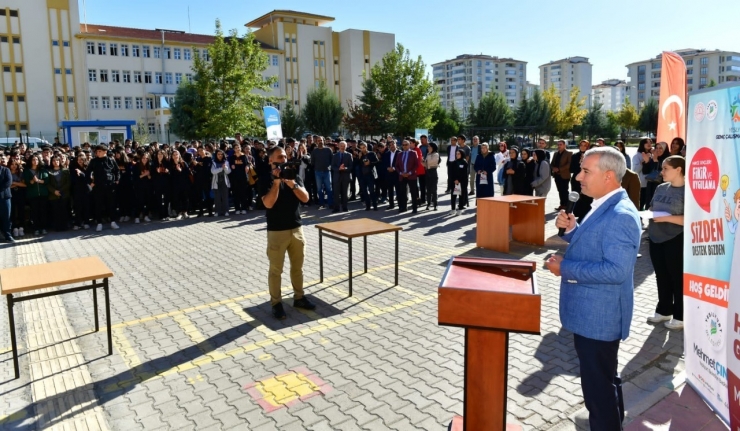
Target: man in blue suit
pixel 596 288
pixel 388 167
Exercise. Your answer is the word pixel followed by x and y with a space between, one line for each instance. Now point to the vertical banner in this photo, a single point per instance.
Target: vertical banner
pixel 272 123
pixel 711 260
pixel 671 116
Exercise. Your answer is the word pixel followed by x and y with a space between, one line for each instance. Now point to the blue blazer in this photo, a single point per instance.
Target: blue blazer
pixel 597 271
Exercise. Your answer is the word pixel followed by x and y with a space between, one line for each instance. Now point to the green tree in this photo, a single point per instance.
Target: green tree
pixel 613 128
pixel 470 119
pixel 551 100
pixel 231 85
pixel 323 111
pixel 533 113
pixel 627 117
pixel 404 87
pixel 140 132
pixel 186 121
pixel 291 122
pixel 456 117
pixel 369 116
pixel 648 121
pixel 493 111
pixel 594 122
pixel 712 83
pixel 444 126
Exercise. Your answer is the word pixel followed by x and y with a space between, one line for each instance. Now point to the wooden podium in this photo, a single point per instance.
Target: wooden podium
pixel 525 215
pixel 489 298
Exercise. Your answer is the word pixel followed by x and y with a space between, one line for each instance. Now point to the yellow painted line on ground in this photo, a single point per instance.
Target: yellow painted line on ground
pixel 419 274
pixel 256 324
pixel 191 331
pixel 125 349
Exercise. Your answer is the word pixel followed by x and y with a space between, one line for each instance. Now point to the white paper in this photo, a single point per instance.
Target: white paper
pixel 484 178
pixel 648 215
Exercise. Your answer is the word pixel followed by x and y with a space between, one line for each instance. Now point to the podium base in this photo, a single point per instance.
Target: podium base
pixel 457 424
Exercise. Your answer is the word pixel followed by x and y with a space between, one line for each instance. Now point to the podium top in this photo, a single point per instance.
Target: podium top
pixel 512 199
pixel 510 276
pixel 358 227
pixel 25 278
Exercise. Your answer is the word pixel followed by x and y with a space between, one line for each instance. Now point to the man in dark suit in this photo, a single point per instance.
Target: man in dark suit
pixel 406 164
pixel 368 175
pixel 6 180
pixel 388 167
pixel 451 151
pixel 341 166
pixel 597 287
pixel 380 183
pixel 560 167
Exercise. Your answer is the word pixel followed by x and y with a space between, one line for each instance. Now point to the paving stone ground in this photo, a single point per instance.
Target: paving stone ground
pixel 196 347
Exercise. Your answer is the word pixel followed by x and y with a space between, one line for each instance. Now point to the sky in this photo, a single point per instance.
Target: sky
pixel 610 34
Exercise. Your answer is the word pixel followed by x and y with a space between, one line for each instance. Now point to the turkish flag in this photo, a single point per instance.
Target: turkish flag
pixel 672 107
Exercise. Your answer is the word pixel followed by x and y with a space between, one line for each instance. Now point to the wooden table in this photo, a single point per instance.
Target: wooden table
pixel 34 277
pixel 349 229
pixel 495 215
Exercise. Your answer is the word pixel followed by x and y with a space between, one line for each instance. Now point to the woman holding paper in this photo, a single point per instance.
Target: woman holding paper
pixel 484 165
pixel 666 243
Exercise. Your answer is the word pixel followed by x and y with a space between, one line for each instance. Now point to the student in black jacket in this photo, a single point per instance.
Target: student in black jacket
pixel 103 177
pixel 238 180
pixel 80 192
pixel 203 176
pixel 460 175
pixel 143 189
pixel 162 184
pixel 180 175
pixel 124 191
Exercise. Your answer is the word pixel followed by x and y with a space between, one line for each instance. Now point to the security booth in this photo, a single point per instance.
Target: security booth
pixel 96 131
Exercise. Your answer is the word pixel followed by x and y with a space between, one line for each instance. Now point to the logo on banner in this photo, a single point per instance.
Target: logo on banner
pixel 699 112
pixel 712 110
pixel 713 331
pixel 735 109
pixel 704 176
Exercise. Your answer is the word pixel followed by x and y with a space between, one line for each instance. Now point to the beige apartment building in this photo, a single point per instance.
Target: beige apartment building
pixel 467 78
pixel 67 70
pixel 702 67
pixel 566 75
pixel 611 94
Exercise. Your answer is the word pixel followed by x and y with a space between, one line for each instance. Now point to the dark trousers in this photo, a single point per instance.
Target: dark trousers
pixel 432 181
pixel 341 186
pixel 600 382
pixel 422 188
pixel 643 198
pixel 356 173
pixel 667 260
pixel 143 202
pixel 239 194
pixel 123 196
pixel 367 191
pixel 59 213
pixel 463 195
pixel 575 185
pixel 161 200
pixel 104 198
pixel 562 185
pixel 5 217
pixel 180 199
pixel 450 180
pixel 38 212
pixel 391 185
pixel 405 184
pixel 18 209
pixel 205 202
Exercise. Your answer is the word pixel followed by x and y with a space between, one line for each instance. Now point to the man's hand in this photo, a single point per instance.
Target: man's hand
pixel 728 214
pixel 289 183
pixel 564 220
pixel 553 264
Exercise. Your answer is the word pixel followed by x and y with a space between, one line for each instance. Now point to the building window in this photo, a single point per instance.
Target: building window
pixel 6 68
pixel 177 53
pixel 126 76
pixel 70 99
pixel 128 103
pixel 151 128
pixel 189 77
pixel 114 49
pixel 157 52
pixel 702 81
pixel 196 52
pixel 178 78
pixel 149 103
pixel 147 77
pixel 704 61
pixel 206 56
pixel 703 71
pixel 54 43
pixel 93 103
pixel 19 69
pixel 115 76
pixel 157 77
pixel 124 50
pixel 689 71
pixel 139 103
pixel 168 78
pixel 275 60
pixel 60 99
pixel 145 51
pixel 690 62
pixel 167 53
pixel 67 71
pixel 101 48
pixel 103 75
pixel 92 75
pixel 15 14
pixel 187 54
pixel 135 50
pixel 90 48
pixel 116 103
pixel 8 98
pixel 137 77
pixel 105 102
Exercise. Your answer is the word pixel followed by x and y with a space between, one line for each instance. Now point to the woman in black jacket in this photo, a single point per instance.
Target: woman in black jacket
pixel 238 180
pixel 180 174
pixel 162 184
pixel 459 175
pixel 124 189
pixel 59 191
pixel 515 175
pixel 529 166
pixel 143 189
pixel 80 193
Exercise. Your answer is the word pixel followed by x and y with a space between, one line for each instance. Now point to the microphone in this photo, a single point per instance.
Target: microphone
pixel 572 199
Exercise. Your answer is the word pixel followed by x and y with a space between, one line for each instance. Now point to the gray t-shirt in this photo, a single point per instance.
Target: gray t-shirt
pixel 670 200
pixel 321 158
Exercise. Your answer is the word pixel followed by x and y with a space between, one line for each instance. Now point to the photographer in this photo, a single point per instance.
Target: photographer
pixel 282 196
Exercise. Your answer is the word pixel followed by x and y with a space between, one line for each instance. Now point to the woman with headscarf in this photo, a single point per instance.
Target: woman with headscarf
pixel 542 176
pixel 37 193
pixel 220 183
pixel 515 176
pixel 431 163
pixel 529 167
pixel 459 175
pixel 484 166
pixel 59 191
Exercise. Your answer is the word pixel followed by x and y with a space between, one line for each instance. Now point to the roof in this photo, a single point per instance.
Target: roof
pixel 479 57
pixel 576 59
pixel 281 14
pixel 95 30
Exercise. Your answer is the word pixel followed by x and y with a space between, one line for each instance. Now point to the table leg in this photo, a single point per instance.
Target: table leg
pixel 13 344
pixel 349 242
pixel 396 280
pixel 321 256
pixel 107 316
pixel 364 245
pixel 95 306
